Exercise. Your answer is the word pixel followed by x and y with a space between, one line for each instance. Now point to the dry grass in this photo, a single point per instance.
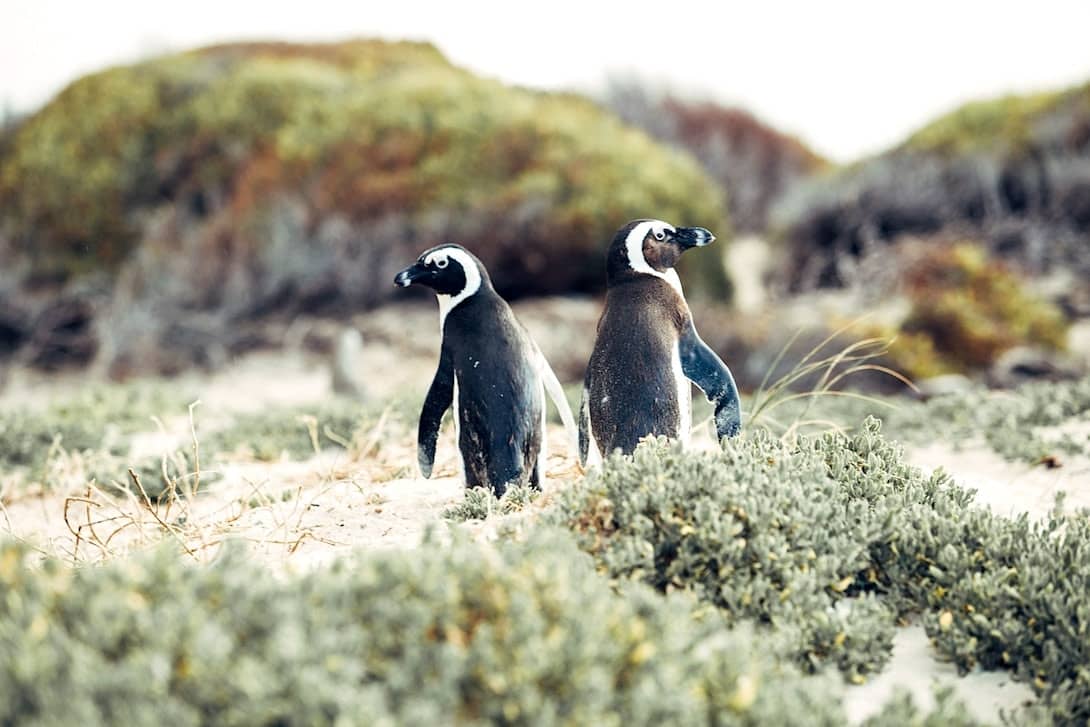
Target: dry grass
pixel 288 511
pixel 820 372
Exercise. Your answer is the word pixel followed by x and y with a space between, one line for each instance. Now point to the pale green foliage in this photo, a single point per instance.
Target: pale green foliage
pixel 779 535
pixel 735 528
pixel 361 130
pixel 1016 424
pixel 479 503
pixel 95 418
pixel 465 634
pixel 988 124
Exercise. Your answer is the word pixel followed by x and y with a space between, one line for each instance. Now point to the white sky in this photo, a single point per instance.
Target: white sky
pixel 848 77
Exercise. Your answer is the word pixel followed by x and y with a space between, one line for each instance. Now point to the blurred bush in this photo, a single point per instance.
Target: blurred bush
pixel 753 162
pixel 185 196
pixel 966 310
pixel 1013 172
pixel 445 634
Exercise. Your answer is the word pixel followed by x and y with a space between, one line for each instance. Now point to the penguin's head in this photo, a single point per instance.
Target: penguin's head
pixel 651 247
pixel 448 270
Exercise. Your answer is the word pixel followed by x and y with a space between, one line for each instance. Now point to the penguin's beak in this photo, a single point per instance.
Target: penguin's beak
pixel 693 237
pixel 409 275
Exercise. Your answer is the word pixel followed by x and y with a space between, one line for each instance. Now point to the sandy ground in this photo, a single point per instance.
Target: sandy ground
pixel 1008 489
pixel 913 667
pixel 302 514
pixel 1011 488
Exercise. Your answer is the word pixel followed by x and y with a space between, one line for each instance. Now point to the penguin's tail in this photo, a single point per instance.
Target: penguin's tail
pixel 556 393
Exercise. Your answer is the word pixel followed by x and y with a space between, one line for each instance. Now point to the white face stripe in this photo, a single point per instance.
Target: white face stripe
pixel 634 247
pixel 469 267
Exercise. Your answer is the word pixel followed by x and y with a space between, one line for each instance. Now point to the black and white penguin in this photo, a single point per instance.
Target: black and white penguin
pixel 490 370
pixel 647 349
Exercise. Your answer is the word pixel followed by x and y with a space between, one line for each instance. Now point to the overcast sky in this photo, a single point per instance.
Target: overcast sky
pixel 850 78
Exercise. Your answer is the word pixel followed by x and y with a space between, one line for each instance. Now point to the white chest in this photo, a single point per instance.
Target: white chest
pixel 684 398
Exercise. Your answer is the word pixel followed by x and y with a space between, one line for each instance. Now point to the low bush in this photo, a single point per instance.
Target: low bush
pixel 1019 425
pixel 1027 424
pixel 734 528
pixel 479 503
pixel 828 542
pixel 968 309
pixel 296 432
pixel 94 418
pixel 38 445
pixel 462 633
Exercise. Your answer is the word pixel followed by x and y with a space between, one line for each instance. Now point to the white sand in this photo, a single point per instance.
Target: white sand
pixel 1009 489
pixel 913 667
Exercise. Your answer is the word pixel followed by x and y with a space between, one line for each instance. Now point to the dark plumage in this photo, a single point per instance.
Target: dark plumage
pixel 489 369
pixel 647 349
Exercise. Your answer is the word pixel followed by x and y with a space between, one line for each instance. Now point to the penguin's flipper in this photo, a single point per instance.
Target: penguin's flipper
pixel 704 368
pixel 560 400
pixel 439 398
pixel 584 427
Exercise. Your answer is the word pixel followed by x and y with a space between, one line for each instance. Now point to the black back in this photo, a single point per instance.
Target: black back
pixel 499 391
pixel 631 385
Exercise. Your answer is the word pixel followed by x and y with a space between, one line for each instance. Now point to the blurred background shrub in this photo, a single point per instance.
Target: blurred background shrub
pixel 754 162
pixel 172 200
pixel 186 209
pixel 1013 173
pixel 966 311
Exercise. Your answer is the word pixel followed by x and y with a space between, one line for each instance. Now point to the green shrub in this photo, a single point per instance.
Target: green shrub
pixel 369 132
pixel 1002 122
pixel 461 633
pixel 966 309
pixel 298 432
pixel 95 418
pixel 479 503
pixel 1025 424
pixel 734 528
pixel 98 423
pixel 971 309
pixel 784 535
pixel 1008 421
pixel 901 710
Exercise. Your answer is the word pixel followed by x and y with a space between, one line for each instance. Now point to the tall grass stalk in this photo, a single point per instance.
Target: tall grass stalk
pixel 832 369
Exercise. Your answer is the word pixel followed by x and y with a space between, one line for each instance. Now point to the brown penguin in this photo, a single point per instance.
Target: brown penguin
pixel 647 349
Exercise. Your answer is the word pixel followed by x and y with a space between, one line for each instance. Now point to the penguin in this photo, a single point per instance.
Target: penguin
pixel 490 370
pixel 647 350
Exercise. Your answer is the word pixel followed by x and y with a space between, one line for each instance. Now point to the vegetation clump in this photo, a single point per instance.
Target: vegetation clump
pixel 966 310
pixel 1010 120
pixel 1029 424
pixel 740 529
pixel 1011 172
pixel 1019 425
pixel 95 418
pixel 734 528
pixel 95 427
pixel 462 633
pixel 480 503
pixel 247 181
pixel 296 432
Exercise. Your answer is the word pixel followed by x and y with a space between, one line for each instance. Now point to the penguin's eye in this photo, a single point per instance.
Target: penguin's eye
pixel 441 263
pixel 660 235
